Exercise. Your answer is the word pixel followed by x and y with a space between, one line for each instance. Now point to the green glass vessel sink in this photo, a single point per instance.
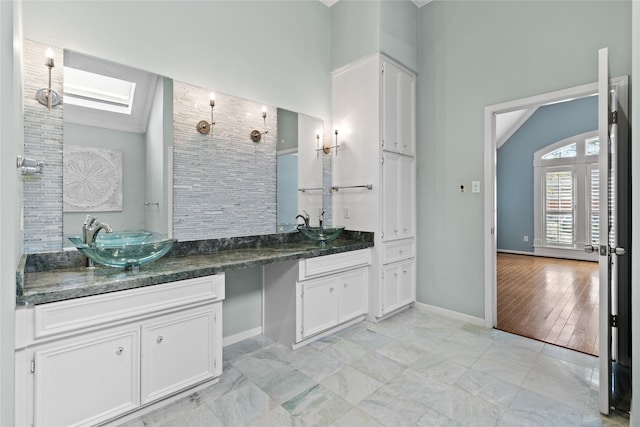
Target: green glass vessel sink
pixel 125 249
pixel 320 234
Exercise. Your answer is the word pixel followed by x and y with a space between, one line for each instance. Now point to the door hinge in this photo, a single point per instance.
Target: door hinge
pixel 33 366
pixel 613 117
pixel 382 68
pixel 614 320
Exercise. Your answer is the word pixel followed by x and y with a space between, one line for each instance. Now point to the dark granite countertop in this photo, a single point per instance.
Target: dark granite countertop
pixel 57 276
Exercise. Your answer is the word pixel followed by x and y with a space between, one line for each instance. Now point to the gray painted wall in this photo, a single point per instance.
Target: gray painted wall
pixel 514 170
pixel 361 28
pixel 11 135
pixel 476 54
pixel 133 150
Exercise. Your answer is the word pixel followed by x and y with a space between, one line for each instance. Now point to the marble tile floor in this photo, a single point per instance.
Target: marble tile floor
pixel 414 369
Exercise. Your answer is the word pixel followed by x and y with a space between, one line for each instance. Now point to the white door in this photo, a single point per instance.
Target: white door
pixel 177 351
pixel 353 294
pixel 608 250
pixel 319 306
pixel 391 196
pixel 87 379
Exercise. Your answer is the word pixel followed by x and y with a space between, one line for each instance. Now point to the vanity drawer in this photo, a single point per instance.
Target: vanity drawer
pixel 319 266
pixel 398 250
pixel 80 313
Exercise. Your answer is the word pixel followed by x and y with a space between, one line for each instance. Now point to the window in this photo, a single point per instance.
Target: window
pixel 562 152
pixel 567 194
pixel 559 212
pixel 92 90
pixel 595 206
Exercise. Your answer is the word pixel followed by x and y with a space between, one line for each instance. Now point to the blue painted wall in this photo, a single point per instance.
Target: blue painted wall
pixel 549 124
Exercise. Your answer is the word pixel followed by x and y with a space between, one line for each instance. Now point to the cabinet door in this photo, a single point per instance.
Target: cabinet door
pixel 390 196
pixel 88 379
pixel 407 282
pixel 391 80
pixel 390 285
pixel 178 351
pixel 398 285
pixel 407 124
pixel 353 299
pixel 319 306
pixel 406 199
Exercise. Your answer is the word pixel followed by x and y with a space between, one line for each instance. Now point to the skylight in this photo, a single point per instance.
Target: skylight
pixel 91 90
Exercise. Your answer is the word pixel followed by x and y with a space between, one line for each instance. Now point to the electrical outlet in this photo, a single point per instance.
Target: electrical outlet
pixel 463 187
pixel 347 212
pixel 526 238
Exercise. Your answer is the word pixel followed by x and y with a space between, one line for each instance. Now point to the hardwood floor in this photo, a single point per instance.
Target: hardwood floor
pixel 548 299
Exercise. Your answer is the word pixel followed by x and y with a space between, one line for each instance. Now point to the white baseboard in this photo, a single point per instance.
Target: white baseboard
pixel 508 251
pixel 450 313
pixel 232 339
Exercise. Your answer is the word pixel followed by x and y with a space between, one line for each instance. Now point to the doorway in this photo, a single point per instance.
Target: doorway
pixel 546 212
pixel 614 266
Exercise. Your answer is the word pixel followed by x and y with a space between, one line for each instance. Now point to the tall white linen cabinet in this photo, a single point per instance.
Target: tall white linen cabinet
pixel 374 172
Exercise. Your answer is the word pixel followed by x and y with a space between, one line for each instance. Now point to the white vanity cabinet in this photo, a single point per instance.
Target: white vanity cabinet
pixel 327 302
pixel 305 299
pixel 86 379
pixel 374 105
pixel 88 360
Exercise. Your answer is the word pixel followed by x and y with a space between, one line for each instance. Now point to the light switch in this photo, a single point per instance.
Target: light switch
pixel 475 186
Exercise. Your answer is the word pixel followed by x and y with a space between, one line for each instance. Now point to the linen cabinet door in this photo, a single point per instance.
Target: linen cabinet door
pixel 407 110
pixel 391 197
pixel 178 351
pixel 391 90
pixel 390 285
pixel 406 198
pixel 407 282
pixel 319 306
pixel 88 379
pixel 353 294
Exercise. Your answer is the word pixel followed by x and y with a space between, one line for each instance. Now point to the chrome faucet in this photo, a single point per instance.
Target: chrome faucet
pixel 304 217
pixel 91 228
pixel 321 220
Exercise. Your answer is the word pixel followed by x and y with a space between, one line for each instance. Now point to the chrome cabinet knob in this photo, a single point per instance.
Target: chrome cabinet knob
pixel 159 339
pixel 119 350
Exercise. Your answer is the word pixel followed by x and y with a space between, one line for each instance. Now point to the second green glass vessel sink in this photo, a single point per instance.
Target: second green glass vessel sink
pixel 320 234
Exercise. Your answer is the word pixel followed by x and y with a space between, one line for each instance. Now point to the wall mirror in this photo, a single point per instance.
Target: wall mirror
pixel 118 165
pixel 117 145
pixel 299 168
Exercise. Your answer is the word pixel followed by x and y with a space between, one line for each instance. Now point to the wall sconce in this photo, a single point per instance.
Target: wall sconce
pixel 256 135
pixel 327 148
pixel 203 126
pixel 29 166
pixel 47 96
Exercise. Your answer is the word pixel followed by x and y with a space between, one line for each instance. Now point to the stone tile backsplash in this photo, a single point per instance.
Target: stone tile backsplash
pixel 224 184
pixel 43 135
